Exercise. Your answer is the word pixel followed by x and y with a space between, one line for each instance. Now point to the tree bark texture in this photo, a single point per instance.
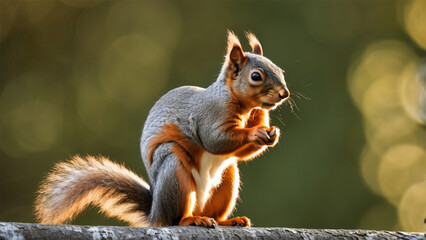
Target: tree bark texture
pixel 11 230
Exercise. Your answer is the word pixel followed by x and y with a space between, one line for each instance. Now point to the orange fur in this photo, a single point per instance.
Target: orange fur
pixel 185 150
pixel 74 185
pixel 237 128
pixel 258 117
pixel 248 152
pixel 237 221
pixel 254 43
pixel 186 188
pixel 198 221
pixel 234 127
pixel 223 197
pixel 235 58
pixel 232 41
pixel 222 201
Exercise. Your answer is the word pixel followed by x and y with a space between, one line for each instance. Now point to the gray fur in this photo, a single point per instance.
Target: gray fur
pixel 199 113
pixel 164 192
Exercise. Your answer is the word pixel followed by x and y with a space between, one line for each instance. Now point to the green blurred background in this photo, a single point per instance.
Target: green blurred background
pixel 79 77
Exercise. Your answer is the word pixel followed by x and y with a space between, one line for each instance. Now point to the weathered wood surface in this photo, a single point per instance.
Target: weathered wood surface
pixel 11 230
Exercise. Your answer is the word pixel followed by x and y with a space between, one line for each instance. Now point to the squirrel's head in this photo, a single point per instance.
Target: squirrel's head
pixel 251 78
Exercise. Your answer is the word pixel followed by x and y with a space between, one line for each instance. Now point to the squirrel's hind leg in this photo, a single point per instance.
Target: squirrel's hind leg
pixel 173 192
pixel 223 199
pixel 187 199
pixel 164 188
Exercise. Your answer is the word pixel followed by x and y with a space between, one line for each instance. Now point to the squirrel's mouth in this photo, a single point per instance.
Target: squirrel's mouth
pixel 267 105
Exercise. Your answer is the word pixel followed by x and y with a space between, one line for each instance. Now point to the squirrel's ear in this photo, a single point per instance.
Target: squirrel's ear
pixel 254 43
pixel 235 55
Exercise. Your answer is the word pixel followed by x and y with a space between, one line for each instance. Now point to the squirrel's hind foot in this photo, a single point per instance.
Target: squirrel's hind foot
pixel 237 221
pixel 198 221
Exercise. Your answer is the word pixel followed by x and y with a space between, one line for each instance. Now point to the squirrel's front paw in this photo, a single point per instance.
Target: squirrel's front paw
pixel 259 135
pixel 274 135
pixel 262 135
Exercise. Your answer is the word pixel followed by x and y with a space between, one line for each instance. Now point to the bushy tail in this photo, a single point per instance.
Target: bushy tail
pixel 74 185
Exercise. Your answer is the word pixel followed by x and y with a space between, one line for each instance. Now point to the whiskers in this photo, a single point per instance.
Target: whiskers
pixel 293 106
pixel 290 102
pixel 278 117
pixel 300 95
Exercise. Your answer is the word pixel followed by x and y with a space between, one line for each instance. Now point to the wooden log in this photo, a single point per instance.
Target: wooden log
pixel 13 230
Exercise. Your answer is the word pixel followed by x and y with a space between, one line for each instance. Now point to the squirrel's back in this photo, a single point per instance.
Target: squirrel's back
pixel 175 107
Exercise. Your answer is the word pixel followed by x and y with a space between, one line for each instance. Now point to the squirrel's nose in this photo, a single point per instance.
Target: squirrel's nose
pixel 283 93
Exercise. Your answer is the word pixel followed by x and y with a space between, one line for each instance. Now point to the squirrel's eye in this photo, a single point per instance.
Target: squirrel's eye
pixel 255 76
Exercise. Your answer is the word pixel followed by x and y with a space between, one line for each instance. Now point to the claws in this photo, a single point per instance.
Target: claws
pixel 244 223
pixel 262 135
pixel 272 132
pixel 198 221
pixel 238 221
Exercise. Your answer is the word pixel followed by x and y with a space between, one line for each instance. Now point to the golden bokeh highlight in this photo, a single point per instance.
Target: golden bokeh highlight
pixel 379 99
pixel 413 91
pixel 370 162
pixel 385 59
pixel 401 166
pixel 415 19
pixel 104 121
pixel 412 208
pixel 387 82
pixel 31 114
pixel 394 129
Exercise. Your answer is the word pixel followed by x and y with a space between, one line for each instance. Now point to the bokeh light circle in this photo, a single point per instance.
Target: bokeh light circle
pixel 415 21
pixel 134 69
pixel 412 91
pixel 370 162
pixel 390 130
pixel 401 166
pixel 380 60
pixel 412 209
pixel 132 17
pixel 31 114
pixel 380 101
pixel 38 10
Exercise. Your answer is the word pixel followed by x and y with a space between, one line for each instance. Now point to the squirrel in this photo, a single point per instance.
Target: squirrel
pixel 192 141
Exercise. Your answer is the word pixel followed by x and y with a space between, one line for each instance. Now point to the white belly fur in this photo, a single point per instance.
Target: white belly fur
pixel 210 175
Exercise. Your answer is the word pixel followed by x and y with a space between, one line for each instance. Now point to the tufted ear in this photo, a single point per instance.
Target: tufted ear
pixel 235 55
pixel 254 43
